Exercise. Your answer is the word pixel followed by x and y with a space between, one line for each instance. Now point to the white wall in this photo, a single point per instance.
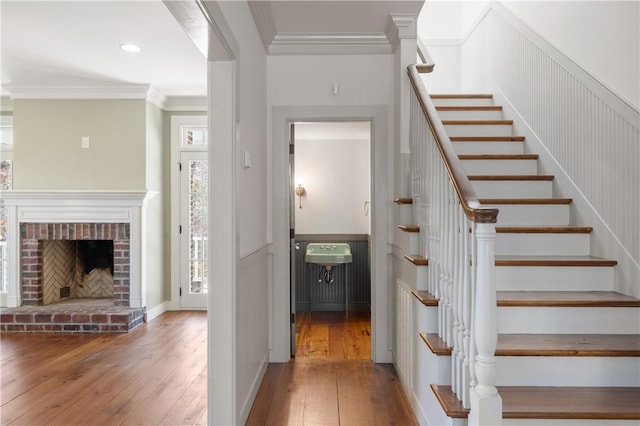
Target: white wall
pixel 241 343
pixel 335 174
pixel 601 36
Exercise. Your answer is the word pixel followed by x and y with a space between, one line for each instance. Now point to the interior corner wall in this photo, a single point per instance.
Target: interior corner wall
pixel 47 144
pixel 156 248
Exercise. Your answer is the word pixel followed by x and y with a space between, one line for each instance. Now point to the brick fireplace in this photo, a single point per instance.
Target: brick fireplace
pixel 36 220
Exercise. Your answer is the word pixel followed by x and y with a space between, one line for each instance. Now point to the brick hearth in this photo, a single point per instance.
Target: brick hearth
pixel 77 316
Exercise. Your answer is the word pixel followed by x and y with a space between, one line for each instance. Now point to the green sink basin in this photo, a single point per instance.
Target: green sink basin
pixel 328 254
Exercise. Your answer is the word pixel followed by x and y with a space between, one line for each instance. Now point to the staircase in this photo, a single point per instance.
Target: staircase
pixel 568 349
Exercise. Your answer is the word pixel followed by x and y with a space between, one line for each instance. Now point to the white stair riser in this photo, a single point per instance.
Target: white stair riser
pixel 567 320
pixel 512 189
pixel 426 318
pixel 500 167
pixel 488 147
pixel 471 115
pixel 568 371
pixel 543 244
pixel 462 101
pixel 549 278
pixel 532 215
pixel 407 240
pixel 478 129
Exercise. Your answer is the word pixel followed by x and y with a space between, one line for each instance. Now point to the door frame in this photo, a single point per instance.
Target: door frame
pixel 381 164
pixel 178 121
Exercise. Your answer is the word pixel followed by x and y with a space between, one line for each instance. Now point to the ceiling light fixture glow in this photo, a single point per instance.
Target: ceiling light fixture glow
pixel 131 48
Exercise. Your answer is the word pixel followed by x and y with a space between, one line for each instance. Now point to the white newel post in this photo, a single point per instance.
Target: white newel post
pixel 486 403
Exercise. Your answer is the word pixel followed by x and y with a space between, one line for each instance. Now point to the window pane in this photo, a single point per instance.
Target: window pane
pixel 6 135
pixel 6 174
pixel 198 225
pixel 194 136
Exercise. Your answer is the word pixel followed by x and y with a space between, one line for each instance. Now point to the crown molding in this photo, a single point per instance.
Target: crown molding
pixel 341 44
pixel 185 103
pixel 400 26
pixel 265 23
pixel 132 91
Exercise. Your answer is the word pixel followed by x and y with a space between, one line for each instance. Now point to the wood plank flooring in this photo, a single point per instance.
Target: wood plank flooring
pixel 153 375
pixel 157 375
pixel 332 380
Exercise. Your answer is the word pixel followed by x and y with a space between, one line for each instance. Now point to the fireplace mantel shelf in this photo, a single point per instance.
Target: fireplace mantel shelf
pixel 76 197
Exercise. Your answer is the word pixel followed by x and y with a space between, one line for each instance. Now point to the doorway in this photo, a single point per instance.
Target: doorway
pixel 330 181
pixel 381 163
pixel 190 224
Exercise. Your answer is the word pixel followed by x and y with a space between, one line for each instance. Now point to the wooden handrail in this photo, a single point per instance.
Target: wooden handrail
pixel 427 64
pixel 465 192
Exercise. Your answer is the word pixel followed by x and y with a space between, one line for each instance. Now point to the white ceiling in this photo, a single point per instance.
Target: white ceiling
pixel 49 45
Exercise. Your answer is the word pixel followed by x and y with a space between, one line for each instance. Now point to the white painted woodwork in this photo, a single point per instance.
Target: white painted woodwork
pixel 568 371
pixel 462 101
pixel 478 130
pixel 512 189
pixel 560 278
pixel 77 206
pixel 500 167
pixel 427 319
pixel 537 244
pixel 484 147
pixel 405 334
pixel 471 115
pixel 563 320
pixel 528 215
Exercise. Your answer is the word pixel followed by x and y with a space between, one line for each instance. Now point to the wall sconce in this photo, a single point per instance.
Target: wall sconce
pixel 300 191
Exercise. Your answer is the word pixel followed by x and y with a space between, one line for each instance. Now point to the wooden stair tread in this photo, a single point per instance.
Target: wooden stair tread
pixel 510 260
pixel 469 108
pixel 611 345
pixel 477 122
pixel 486 138
pixel 498 156
pixel 436 344
pixel 417 260
pixel 426 298
pixel 566 298
pixel 409 228
pixel 527 201
pixel 543 229
pixel 403 200
pixel 461 96
pixel 512 177
pixel 547 402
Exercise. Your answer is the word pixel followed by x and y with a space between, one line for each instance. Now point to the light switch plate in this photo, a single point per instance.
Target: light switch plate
pixel 86 142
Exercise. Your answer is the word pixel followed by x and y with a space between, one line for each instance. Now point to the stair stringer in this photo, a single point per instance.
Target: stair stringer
pixel 604 243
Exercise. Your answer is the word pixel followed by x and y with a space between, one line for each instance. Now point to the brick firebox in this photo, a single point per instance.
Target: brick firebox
pixel 32 236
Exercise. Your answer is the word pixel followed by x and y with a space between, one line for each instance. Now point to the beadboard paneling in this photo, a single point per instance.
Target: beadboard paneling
pixel 323 296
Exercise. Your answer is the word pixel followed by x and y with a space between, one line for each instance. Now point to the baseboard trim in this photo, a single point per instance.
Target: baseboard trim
pixel 245 410
pixel 156 311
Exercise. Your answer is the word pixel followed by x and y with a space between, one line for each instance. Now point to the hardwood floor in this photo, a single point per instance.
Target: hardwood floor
pixel 154 375
pixel 332 380
pixel 157 375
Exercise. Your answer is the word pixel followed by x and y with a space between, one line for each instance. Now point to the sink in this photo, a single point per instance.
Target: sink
pixel 328 254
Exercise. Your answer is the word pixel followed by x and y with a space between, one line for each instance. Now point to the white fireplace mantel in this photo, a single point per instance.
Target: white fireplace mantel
pixel 56 206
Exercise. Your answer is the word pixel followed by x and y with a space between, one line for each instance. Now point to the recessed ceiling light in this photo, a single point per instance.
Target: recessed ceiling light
pixel 131 48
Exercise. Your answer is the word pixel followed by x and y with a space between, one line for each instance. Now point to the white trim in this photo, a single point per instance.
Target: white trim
pixel 185 103
pixel 155 97
pixel 332 44
pixel 245 409
pixel 28 206
pixel 177 122
pixel 156 311
pixel 400 26
pixel 279 299
pixel 131 91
